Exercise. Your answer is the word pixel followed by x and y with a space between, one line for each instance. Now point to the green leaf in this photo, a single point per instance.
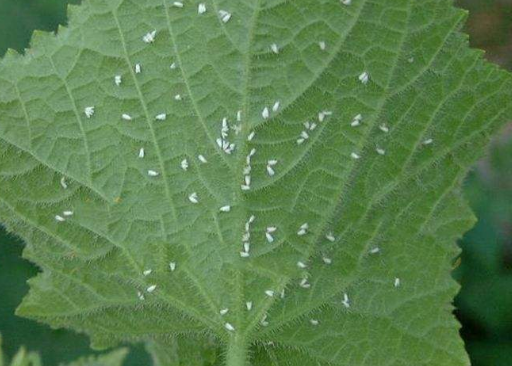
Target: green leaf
pixel 365 282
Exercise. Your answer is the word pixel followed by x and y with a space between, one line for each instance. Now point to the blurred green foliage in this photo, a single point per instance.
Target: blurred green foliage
pixel 485 271
pixel 18 18
pixel 490 28
pixel 485 300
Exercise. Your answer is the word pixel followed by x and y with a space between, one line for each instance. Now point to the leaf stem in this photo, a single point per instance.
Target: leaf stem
pixel 237 351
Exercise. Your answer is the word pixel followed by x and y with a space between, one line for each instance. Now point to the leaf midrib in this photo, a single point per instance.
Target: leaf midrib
pixel 285 281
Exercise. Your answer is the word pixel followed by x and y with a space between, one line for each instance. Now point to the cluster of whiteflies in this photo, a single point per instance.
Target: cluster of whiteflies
pixel 225 142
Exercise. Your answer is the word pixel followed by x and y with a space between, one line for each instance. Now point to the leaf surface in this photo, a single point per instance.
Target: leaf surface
pixel 365 118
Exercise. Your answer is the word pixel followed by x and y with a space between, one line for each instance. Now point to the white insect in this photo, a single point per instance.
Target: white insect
pixel 59 218
pixel 248 224
pixel 248 305
pixel 184 164
pixel 149 37
pixel 428 142
pixel 245 240
pixel 357 120
pixel 380 151
pixel 269 293
pixel 327 260
pixel 271 229
pixel 126 117
pixel 304 283
pixel 118 80
pixel 276 106
pixel 151 288
pixel 89 112
pixel 147 272
pixel 364 77
pixel 201 8
pixel 68 213
pixel 178 4
pixel 202 159
pixel 265 113
pixel 346 2
pixel 375 250
pixel 225 128
pixel 239 116
pixel 229 327
pixel 264 321
pixel 269 237
pixel 172 266
pixel 223 311
pixel 314 322
pixel 140 295
pixel 237 128
pixel 323 114
pixel 142 153
pixel 138 69
pixel 178 97
pixel 322 45
pixel 310 125
pixel 161 117
pixel 224 16
pixel 225 209
pixel 63 183
pixel 275 48
pixel 397 282
pixel 228 148
pixel 384 128
pixel 173 66
pixel 346 301
pixel 193 198
pixel 251 136
pixel 303 230
pixel 153 173
pixel 270 164
pixel 355 156
pixel 301 265
pixel 330 236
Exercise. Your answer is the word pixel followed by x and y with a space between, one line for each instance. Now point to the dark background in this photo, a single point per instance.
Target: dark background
pixel 484 269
